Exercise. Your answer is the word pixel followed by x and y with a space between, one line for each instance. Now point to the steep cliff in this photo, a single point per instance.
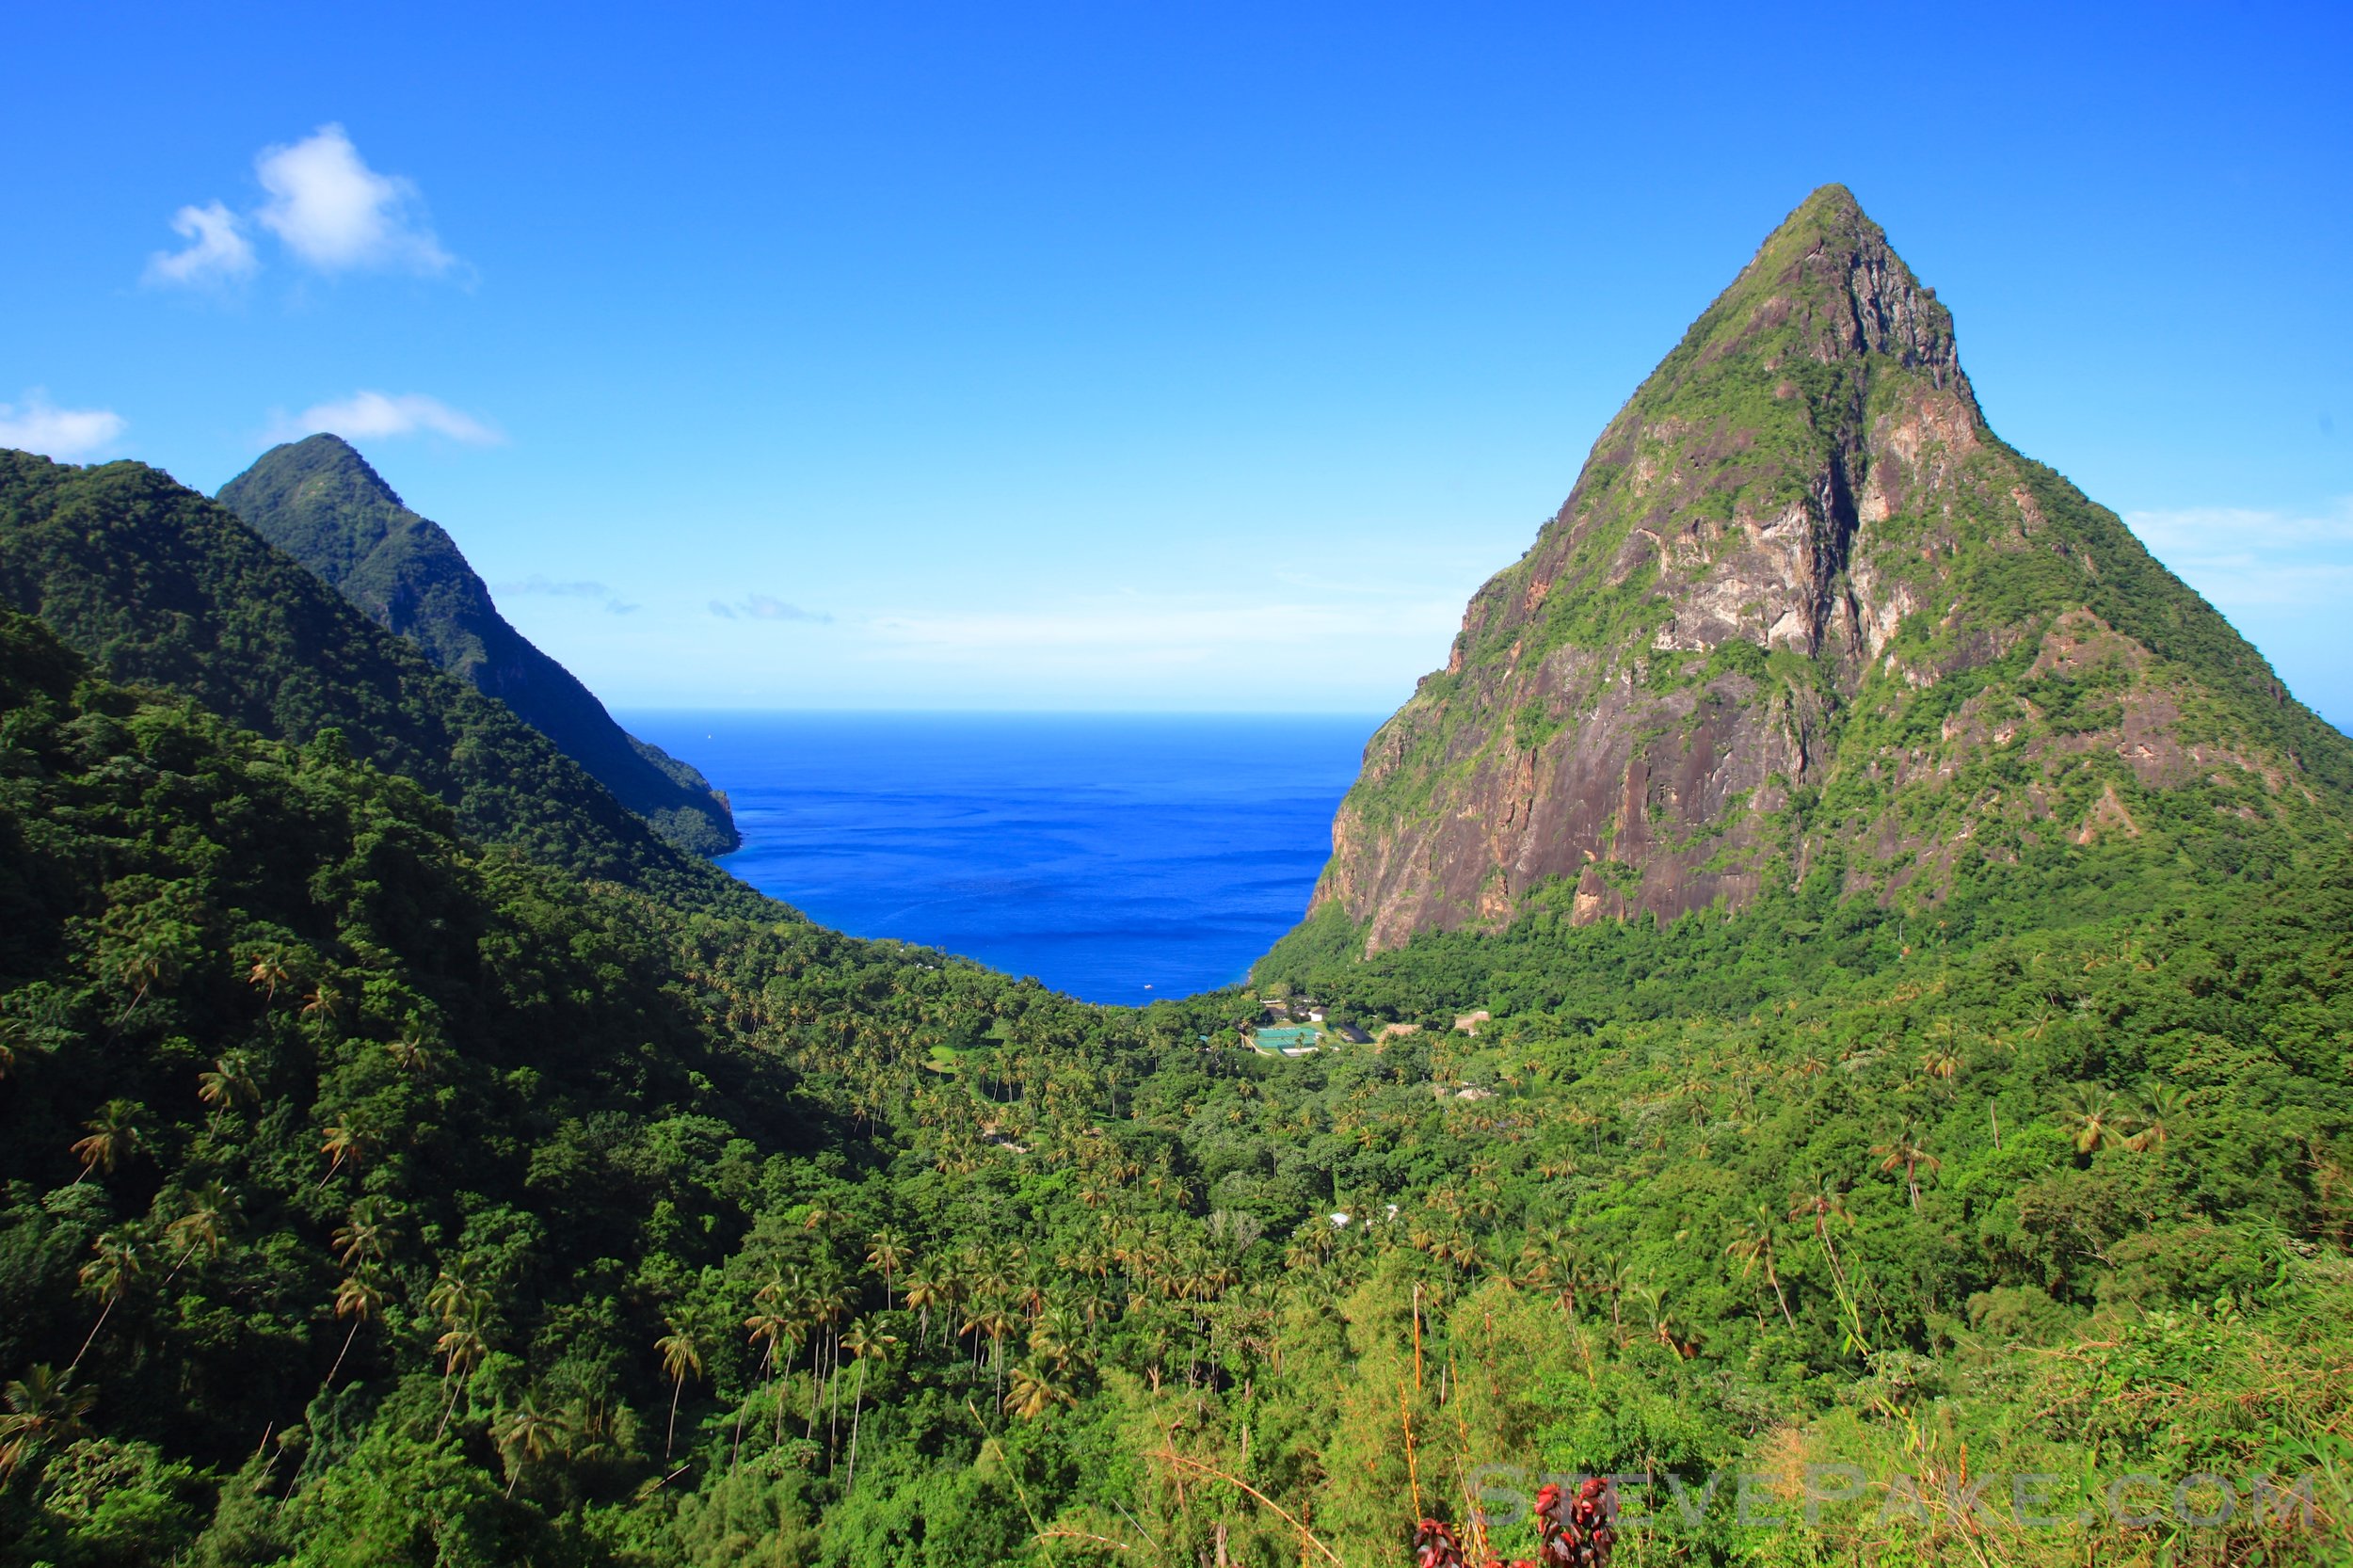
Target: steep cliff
pixel 318 499
pixel 1803 603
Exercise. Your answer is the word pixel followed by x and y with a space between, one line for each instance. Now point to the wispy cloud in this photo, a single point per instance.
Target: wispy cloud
pixel 376 416
pixel 338 215
pixel 764 607
pixel 217 251
pixel 35 425
pixel 549 587
pixel 2241 557
pixel 1163 628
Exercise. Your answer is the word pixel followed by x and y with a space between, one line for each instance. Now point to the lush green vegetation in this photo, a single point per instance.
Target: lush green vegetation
pixel 163 587
pixel 375 1197
pixel 318 501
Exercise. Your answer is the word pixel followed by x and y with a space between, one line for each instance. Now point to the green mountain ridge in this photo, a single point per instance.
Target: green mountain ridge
pixel 1802 605
pixel 160 586
pixel 320 501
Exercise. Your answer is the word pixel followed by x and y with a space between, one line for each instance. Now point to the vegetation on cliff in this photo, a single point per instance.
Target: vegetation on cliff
pixel 317 499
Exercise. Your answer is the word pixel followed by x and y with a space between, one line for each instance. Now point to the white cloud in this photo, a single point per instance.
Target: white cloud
pixel 374 416
pixel 765 607
pixel 217 251
pixel 2241 558
pixel 338 215
pixel 37 425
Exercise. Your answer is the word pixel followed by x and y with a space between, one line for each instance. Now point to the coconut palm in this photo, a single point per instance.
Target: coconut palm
pixel 889 1254
pixel 108 1276
pixel 412 1055
pixel 1902 1148
pixel 462 1350
pixel 1036 1392
pixel 364 1235
pixel 681 1355
pixel 923 1292
pixel 230 1081
pixel 994 1320
pixel 114 1137
pixel 358 1297
pixel 204 1224
pixel 269 971
pixel 531 1434
pixel 2163 1109
pixel 344 1143
pixel 869 1345
pixel 41 1408
pixel 2091 1116
pixel 1755 1245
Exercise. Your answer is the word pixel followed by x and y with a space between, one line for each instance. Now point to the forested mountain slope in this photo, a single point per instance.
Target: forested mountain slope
pixel 163 587
pixel 321 503
pixel 1803 608
pixel 374 1199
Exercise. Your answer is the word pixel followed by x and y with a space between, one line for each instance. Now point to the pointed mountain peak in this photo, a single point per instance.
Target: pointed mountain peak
pixel 1803 607
pixel 1826 286
pixel 324 459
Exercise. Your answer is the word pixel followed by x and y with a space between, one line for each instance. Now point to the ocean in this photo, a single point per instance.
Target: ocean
pixel 1118 857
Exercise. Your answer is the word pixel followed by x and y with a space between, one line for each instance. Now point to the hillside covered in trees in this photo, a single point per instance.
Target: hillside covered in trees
pixel 321 503
pixel 375 1197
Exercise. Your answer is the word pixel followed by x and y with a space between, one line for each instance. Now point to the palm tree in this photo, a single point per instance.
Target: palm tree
pixel 889 1254
pixel 924 1293
pixel 270 970
pixel 357 1298
pixel 109 1276
pixel 1823 1206
pixel 1755 1245
pixel 531 1432
pixel 201 1225
pixel 2092 1113
pixel 1036 1392
pixel 41 1407
pixel 995 1322
pixel 343 1143
pixel 364 1235
pixel 867 1345
pixel 462 1348
pixel 2163 1109
pixel 681 1355
pixel 114 1137
pixel 230 1082
pixel 1903 1148
pixel 412 1055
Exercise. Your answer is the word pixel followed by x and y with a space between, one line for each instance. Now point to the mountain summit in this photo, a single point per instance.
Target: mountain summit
pixel 1804 609
pixel 320 501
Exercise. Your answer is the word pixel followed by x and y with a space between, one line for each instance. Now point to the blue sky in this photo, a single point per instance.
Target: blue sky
pixel 1199 357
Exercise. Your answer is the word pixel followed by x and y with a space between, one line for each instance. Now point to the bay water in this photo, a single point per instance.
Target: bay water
pixel 1118 857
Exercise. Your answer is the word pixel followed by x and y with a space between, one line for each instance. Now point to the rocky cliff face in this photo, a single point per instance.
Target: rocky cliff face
pixel 319 501
pixel 1803 603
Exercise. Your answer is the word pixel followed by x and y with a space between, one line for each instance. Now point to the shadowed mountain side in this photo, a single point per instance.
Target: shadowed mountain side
pixel 1802 607
pixel 161 588
pixel 319 501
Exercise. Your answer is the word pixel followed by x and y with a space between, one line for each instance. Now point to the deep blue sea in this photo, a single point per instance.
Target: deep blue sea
pixel 1120 857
